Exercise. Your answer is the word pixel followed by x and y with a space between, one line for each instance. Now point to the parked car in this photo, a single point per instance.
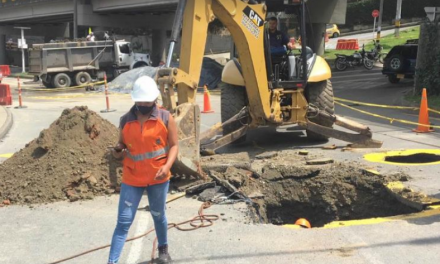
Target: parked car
pixel 400 63
pixel 333 30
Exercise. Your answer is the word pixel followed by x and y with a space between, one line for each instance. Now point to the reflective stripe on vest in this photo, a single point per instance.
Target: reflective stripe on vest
pixel 148 155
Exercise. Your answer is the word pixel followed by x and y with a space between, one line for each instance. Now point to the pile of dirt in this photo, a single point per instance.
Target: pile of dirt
pixel 69 160
pixel 286 191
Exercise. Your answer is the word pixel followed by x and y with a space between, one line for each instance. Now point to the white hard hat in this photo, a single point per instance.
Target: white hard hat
pixel 144 90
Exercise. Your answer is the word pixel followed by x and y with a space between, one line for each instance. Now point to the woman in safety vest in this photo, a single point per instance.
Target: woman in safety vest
pixel 149 144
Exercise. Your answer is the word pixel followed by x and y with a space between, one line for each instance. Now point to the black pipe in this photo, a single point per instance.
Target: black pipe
pixel 177 26
pixel 304 43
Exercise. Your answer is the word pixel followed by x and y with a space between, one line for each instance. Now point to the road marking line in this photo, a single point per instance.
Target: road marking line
pixel 7 155
pixel 136 246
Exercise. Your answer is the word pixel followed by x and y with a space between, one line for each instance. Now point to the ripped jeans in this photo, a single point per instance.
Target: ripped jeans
pixel 129 199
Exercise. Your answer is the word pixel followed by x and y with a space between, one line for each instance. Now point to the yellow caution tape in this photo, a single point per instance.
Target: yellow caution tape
pixel 384 106
pixel 63 89
pixel 386 118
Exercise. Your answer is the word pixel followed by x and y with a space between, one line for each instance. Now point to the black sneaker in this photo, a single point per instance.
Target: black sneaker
pixel 164 257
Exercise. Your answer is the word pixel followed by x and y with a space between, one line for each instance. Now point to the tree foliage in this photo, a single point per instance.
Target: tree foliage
pixel 428 74
pixel 360 12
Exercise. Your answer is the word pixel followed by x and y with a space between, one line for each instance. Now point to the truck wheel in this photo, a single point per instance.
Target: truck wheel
pixel 233 99
pixel 395 63
pixel 48 82
pixel 82 78
pixel 320 95
pixel 62 80
pixel 393 79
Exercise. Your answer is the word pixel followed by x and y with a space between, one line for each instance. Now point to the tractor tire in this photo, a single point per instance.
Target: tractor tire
pixel 336 35
pixel 82 78
pixel 61 80
pixel 320 95
pixel 233 99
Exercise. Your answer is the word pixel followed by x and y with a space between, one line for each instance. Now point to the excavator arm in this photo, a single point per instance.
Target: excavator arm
pixel 245 22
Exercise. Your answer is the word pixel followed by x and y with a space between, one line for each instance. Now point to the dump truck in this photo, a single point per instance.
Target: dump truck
pixel 259 89
pixel 60 65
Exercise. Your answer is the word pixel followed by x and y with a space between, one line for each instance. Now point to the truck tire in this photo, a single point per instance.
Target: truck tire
pixel 47 82
pixel 320 95
pixel 61 80
pixel 82 78
pixel 393 79
pixel 233 99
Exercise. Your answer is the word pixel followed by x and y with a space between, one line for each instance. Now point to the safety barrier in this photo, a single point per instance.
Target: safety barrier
pixel 347 44
pixel 5 70
pixel 20 102
pixel 64 89
pixel 206 101
pixel 5 95
pixel 107 101
pixel 339 101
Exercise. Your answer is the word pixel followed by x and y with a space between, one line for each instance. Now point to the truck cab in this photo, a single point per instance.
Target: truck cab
pixel 61 65
pixel 125 57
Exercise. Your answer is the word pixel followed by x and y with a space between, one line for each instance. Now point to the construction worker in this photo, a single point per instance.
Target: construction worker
pixel 91 37
pixel 148 145
pixel 278 40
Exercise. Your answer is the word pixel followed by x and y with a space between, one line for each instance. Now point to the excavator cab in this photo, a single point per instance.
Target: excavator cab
pixel 257 90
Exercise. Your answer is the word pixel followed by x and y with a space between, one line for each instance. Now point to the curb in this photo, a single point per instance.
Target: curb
pixel 412 24
pixel 4 129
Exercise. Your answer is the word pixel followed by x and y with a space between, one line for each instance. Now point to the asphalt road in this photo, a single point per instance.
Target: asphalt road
pixel 46 233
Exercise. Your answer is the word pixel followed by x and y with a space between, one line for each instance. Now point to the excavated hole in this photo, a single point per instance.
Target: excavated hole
pixel 332 195
pixel 415 158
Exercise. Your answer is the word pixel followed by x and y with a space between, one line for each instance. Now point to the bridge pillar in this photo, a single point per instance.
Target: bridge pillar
pixel 159 41
pixel 3 50
pixel 317 38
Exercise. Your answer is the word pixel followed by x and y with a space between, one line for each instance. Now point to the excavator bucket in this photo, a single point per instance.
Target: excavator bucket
pixel 187 117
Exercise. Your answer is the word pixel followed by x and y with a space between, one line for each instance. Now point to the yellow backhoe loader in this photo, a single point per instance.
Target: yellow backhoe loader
pixel 259 90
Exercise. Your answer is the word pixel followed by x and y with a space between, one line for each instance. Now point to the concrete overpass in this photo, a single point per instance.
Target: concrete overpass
pixel 150 21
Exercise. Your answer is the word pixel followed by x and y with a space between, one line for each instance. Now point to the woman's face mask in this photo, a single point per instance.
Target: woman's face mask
pixel 145 109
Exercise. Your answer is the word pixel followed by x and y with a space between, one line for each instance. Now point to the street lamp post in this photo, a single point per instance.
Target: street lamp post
pixel 379 24
pixel 23 47
pixel 398 18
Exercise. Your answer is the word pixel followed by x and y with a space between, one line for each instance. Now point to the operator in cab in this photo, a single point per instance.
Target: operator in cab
pixel 278 40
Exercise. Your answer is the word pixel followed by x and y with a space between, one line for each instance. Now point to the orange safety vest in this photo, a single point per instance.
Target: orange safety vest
pixel 147 150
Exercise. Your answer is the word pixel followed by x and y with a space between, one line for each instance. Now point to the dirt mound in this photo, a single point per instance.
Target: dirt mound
pixel 69 160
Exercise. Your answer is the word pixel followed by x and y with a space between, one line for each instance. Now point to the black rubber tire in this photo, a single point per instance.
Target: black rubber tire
pixel 320 95
pixel 61 80
pixel 368 64
pixel 335 35
pixel 82 78
pixel 393 79
pixel 48 84
pixel 395 63
pixel 341 67
pixel 233 99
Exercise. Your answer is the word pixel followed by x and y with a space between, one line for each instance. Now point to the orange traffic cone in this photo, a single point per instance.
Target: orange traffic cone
pixel 303 223
pixel 423 115
pixel 207 101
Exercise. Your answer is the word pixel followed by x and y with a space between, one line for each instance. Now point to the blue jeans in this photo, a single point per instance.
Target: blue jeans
pixel 129 199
